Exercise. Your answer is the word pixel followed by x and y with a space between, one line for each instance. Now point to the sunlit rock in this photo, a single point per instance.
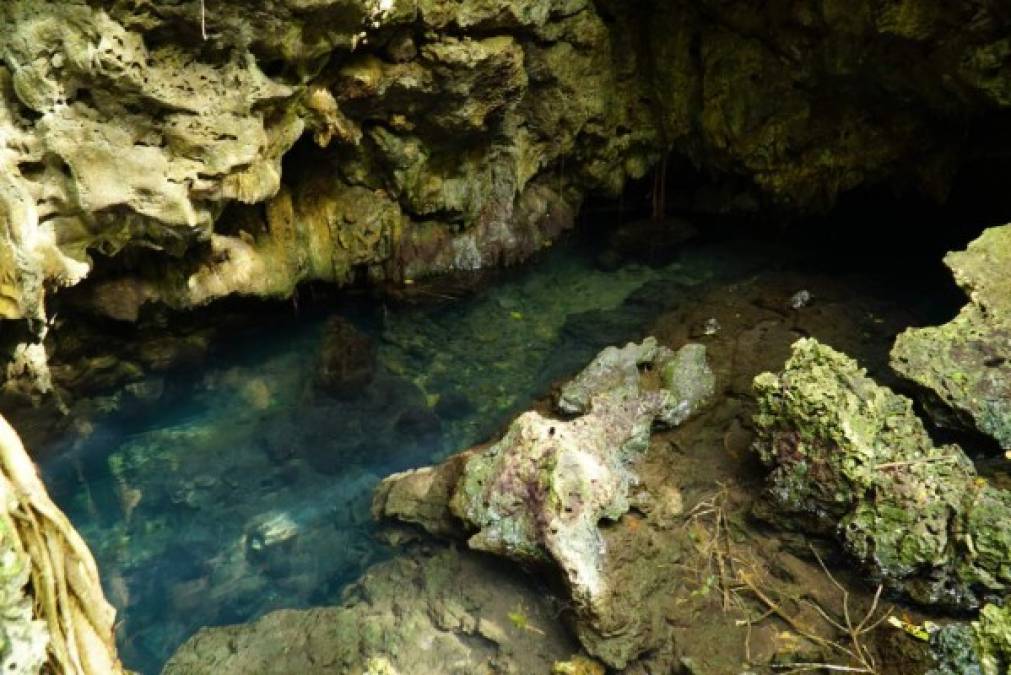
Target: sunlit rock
pixel 965 365
pixel 851 460
pixel 540 494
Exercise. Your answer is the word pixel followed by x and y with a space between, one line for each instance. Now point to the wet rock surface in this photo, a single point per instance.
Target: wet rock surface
pixel 981 647
pixel 964 366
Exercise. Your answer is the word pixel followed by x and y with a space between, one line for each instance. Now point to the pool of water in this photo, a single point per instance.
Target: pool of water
pixel 249 489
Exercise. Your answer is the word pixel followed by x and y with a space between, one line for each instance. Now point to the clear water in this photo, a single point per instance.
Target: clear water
pixel 250 490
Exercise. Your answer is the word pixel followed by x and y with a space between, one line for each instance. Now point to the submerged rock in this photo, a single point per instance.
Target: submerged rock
pixel 347 361
pixel 965 365
pixel 441 612
pixel 850 459
pixel 540 494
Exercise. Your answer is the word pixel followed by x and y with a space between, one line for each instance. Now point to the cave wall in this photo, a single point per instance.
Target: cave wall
pixel 153 148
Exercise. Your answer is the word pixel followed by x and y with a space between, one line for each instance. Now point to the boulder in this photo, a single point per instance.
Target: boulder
pixel 542 493
pixel 965 365
pixel 849 459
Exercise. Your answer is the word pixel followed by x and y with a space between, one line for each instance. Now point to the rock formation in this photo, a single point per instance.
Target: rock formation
pixel 540 494
pixel 965 365
pixel 981 647
pixel 141 144
pixel 851 460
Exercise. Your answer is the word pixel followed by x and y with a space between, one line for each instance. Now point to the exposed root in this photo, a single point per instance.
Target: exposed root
pixel 64 578
pixel 741 580
pixel 854 650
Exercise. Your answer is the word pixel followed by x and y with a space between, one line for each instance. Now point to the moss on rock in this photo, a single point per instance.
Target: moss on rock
pixel 965 365
pixel 850 459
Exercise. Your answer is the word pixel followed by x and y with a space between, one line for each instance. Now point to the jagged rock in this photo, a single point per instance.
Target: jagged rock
pixel 540 493
pixel 981 647
pixel 850 459
pixel 965 365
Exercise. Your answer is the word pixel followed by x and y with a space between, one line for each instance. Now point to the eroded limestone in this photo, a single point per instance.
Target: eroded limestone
pixel 850 459
pixel 965 365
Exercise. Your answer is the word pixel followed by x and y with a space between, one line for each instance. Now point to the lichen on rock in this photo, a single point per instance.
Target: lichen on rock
pixel 540 493
pixel 965 365
pixel 850 459
pixel 980 647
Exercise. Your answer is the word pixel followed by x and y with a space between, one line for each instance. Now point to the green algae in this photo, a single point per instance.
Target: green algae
pixel 965 365
pixel 850 459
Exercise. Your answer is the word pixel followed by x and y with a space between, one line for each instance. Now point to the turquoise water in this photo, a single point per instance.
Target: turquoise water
pixel 249 489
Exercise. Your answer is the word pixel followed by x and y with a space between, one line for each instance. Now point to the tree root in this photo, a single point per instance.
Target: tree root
pixel 64 577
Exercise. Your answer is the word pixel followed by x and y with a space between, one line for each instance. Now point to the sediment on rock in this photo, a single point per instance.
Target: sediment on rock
pixel 541 493
pixel 851 460
pixel 964 366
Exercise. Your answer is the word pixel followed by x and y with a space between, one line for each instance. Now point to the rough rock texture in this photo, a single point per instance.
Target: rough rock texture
pixel 540 494
pixel 850 459
pixel 965 365
pixel 982 647
pixel 440 612
pixel 144 140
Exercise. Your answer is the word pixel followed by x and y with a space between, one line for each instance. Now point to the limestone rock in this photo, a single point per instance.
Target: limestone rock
pixel 23 638
pixel 417 613
pixel 850 459
pixel 540 493
pixel 965 365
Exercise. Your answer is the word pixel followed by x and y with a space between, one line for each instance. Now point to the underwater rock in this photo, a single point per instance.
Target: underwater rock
pixel 981 647
pixel 347 358
pixel 850 459
pixel 540 494
pixel 440 612
pixel 965 365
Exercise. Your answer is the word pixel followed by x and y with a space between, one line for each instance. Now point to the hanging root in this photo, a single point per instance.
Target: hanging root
pixel 64 577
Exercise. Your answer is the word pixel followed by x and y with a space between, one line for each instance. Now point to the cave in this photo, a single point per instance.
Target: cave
pixel 523 336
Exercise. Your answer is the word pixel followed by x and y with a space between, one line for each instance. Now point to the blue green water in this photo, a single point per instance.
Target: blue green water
pixel 249 488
